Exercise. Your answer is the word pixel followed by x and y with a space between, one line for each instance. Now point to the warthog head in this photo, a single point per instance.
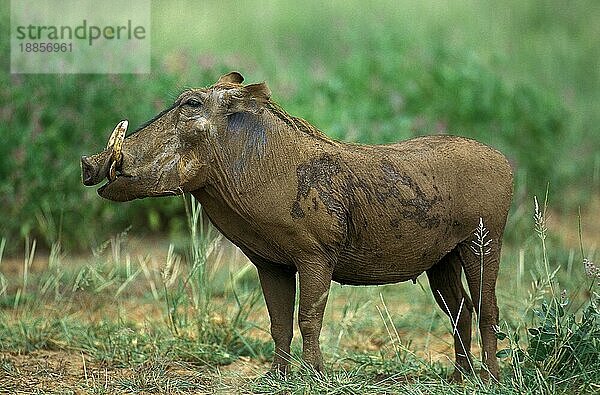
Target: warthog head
pixel 174 152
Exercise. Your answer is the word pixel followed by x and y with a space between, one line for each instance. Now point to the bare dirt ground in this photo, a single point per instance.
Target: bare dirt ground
pixel 567 226
pixel 60 372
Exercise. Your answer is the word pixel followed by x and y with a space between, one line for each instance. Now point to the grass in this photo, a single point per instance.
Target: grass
pixel 191 320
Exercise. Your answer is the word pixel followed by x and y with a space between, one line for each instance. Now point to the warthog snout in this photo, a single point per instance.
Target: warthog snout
pixel 95 168
pixel 88 171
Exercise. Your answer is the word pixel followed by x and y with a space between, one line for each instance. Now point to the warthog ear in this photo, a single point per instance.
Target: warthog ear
pixel 259 92
pixel 233 78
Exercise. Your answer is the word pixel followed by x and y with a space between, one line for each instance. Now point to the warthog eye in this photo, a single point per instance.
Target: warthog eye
pixel 193 103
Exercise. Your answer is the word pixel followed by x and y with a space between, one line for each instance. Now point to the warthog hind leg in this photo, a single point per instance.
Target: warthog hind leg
pixel 445 281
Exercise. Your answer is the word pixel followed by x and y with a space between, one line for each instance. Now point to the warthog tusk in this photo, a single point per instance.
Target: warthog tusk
pixel 118 132
pixel 112 173
pixel 116 143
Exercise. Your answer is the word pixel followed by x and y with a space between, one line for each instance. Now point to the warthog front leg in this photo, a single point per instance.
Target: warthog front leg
pixel 279 289
pixel 315 280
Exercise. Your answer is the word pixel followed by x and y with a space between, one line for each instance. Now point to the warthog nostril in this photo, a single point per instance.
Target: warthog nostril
pixel 88 171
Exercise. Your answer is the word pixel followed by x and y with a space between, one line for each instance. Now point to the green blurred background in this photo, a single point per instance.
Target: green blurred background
pixel 522 76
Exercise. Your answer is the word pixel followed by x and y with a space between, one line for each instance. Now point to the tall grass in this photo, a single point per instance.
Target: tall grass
pixel 193 328
pixel 188 302
pixel 561 350
pixel 3 281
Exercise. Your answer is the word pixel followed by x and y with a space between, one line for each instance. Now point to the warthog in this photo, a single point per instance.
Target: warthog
pixel 296 202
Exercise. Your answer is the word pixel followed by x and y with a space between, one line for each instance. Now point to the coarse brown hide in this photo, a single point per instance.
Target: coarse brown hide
pixel 299 203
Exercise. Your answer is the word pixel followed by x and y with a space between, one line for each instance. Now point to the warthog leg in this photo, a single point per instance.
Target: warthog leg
pixel 484 284
pixel 444 279
pixel 279 289
pixel 315 280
